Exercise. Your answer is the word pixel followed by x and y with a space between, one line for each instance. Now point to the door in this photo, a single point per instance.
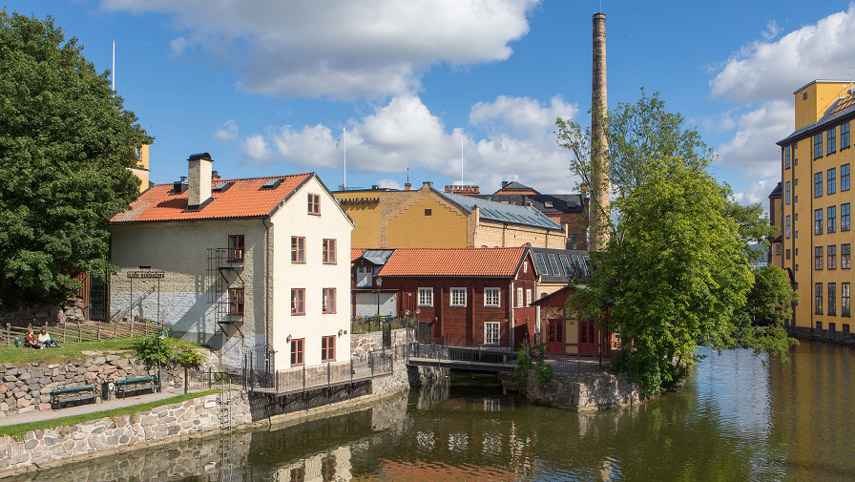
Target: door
pixel 588 337
pixel 555 336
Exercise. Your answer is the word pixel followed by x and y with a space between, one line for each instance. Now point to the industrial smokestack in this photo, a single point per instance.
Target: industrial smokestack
pixel 599 203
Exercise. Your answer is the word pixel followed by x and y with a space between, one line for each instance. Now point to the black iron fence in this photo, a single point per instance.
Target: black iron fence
pixel 442 352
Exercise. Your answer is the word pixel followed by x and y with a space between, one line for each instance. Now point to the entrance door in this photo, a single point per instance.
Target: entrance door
pixel 588 337
pixel 555 336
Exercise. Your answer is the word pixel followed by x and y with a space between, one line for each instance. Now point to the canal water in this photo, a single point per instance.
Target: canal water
pixel 740 417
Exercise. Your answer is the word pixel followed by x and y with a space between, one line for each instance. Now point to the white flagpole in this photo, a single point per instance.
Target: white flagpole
pixel 114 66
pixel 344 138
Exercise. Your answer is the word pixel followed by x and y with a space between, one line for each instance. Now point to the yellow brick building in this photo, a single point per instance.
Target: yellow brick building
pixel 427 218
pixel 816 206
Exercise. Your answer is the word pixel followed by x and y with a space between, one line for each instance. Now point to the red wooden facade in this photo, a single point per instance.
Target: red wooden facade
pixel 564 335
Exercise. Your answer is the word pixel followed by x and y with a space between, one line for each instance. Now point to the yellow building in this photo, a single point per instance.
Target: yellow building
pixel 141 170
pixel 817 200
pixel 427 218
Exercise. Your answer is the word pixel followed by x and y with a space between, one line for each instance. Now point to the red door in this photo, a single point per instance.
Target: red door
pixel 555 336
pixel 588 337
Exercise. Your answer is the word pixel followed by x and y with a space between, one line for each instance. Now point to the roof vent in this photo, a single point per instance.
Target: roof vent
pixel 180 185
pixel 272 184
pixel 223 186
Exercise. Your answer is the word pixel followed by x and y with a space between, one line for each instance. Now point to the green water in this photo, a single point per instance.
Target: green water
pixel 740 417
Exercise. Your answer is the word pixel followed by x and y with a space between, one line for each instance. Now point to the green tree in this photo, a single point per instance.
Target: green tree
pixel 65 144
pixel 760 323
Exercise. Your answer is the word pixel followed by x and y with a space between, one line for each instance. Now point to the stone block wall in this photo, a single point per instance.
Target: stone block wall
pixel 364 343
pixel 41 447
pixel 40 315
pixel 584 391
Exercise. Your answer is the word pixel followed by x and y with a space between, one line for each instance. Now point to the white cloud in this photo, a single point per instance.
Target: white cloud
pixel 752 148
pixel 404 133
pixel 772 30
pixel 177 46
pixel 389 183
pixel 340 48
pixel 757 192
pixel 767 70
pixel 228 131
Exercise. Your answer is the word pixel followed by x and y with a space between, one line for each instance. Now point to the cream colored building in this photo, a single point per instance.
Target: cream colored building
pixel 256 264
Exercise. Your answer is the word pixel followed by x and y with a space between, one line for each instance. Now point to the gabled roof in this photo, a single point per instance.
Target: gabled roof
pixel 244 199
pixel 560 265
pixel 453 262
pixel 776 193
pixel 377 257
pixel 355 253
pixel 503 213
pixel 516 186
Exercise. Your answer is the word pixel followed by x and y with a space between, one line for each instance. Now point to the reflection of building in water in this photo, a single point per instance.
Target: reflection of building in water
pixel 326 466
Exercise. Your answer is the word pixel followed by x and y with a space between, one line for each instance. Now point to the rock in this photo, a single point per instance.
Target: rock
pixel 43 407
pixel 9 378
pixel 111 358
pixel 100 360
pixel 9 366
pixel 27 409
pixel 24 376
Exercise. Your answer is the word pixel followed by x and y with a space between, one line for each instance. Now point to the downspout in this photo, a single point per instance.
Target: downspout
pixel 267 274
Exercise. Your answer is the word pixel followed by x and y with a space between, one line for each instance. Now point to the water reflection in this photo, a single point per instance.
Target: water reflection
pixel 740 417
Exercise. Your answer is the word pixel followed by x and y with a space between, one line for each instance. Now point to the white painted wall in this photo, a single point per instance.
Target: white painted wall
pixel 366 304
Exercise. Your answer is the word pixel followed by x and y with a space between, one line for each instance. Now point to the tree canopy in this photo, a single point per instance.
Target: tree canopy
pixel 65 145
pixel 676 271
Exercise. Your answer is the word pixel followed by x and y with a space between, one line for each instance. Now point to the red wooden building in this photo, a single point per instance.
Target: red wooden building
pixel 465 297
pixel 565 335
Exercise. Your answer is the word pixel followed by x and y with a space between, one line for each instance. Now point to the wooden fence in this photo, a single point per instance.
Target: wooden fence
pixel 76 332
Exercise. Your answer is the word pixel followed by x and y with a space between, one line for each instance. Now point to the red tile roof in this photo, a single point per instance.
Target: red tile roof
pixel 243 199
pixel 355 253
pixel 481 262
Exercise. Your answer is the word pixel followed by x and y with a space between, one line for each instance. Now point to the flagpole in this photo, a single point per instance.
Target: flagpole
pixel 113 72
pixel 344 138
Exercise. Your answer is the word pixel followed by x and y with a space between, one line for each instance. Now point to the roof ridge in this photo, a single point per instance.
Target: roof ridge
pixel 223 179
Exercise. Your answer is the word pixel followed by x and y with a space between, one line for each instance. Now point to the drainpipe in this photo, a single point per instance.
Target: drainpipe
pixel 267 274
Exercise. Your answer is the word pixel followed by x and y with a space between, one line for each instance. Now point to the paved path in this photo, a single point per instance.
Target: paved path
pixel 90 407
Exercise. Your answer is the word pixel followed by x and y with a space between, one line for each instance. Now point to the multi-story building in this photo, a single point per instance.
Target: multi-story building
pixel 816 210
pixel 141 170
pixel 238 264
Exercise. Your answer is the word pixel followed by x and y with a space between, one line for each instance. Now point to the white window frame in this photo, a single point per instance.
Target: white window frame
pixel 519 297
pixel 495 294
pixel 528 296
pixel 498 333
pixel 425 297
pixel 457 292
pixel 525 267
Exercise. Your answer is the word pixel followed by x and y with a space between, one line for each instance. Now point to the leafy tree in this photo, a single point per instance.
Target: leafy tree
pixel 65 144
pixel 759 324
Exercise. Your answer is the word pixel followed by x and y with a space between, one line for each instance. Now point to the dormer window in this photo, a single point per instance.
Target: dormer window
pixel 547 204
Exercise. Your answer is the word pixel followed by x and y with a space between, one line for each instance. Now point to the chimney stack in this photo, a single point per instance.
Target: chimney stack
pixel 407 186
pixel 200 173
pixel 599 205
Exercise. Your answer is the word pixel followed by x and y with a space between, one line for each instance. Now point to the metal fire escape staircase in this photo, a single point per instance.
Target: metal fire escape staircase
pixel 222 272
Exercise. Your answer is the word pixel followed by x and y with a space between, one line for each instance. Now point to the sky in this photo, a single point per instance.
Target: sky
pixel 422 86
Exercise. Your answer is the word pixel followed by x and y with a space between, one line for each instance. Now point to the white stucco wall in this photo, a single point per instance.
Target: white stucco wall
pixel 366 304
pixel 293 220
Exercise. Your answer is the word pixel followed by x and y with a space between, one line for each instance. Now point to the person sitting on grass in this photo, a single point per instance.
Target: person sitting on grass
pixel 30 340
pixel 46 340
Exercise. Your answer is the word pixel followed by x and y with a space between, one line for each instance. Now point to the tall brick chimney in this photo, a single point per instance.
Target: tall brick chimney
pixel 599 204
pixel 199 190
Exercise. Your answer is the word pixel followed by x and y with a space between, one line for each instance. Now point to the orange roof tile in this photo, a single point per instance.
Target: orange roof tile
pixel 243 199
pixel 355 253
pixel 484 262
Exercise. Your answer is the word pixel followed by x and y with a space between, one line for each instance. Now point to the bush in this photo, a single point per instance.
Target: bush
pixel 160 350
pixel 523 365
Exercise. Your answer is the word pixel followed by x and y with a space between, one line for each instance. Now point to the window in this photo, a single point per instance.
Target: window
pixel 832 219
pixel 425 296
pixel 328 305
pixel 235 301
pixel 817 221
pixel 519 297
pixel 458 297
pixel 844 177
pixel 832 299
pixel 297 349
pixel 844 299
pixel 831 252
pixel 817 146
pixel 525 267
pixel 786 157
pixel 528 297
pixel 817 258
pixel 553 264
pixel 236 247
pixel 832 326
pixel 818 299
pixel 845 258
pixel 831 141
pixel 491 333
pixel 844 217
pixel 819 325
pixel 540 263
pixel 298 249
pixel 328 348
pixel 787 226
pixel 428 212
pixel 788 254
pixel 298 301
pixel 492 297
pixel 817 184
pixel 329 251
pixel 787 191
pixel 844 136
pixel 831 188
pixel 315 204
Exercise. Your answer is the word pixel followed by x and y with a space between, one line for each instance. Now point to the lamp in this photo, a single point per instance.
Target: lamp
pixel 288 340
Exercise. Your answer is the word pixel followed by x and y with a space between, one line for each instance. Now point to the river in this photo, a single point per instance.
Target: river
pixel 739 417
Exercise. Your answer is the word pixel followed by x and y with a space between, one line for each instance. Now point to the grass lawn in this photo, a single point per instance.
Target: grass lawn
pixel 71 351
pixel 22 428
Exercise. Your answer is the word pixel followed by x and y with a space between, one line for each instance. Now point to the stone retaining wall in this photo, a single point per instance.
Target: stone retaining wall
pixel 69 310
pixel 584 391
pixel 837 336
pixel 363 343
pixel 184 419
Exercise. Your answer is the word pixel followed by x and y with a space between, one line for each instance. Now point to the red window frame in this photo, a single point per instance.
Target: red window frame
pixel 328 348
pixel 298 347
pixel 329 250
pixel 236 301
pixel 315 204
pixel 236 247
pixel 328 300
pixel 298 301
pixel 298 250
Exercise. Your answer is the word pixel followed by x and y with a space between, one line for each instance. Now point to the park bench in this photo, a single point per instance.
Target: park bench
pixel 139 384
pixel 73 394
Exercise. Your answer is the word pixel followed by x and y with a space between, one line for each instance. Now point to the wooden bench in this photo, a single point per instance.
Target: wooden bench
pixel 139 384
pixel 73 394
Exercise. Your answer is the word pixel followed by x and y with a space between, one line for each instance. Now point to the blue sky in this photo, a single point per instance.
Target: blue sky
pixel 267 86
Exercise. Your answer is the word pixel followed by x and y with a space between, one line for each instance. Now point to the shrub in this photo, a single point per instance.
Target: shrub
pixel 160 350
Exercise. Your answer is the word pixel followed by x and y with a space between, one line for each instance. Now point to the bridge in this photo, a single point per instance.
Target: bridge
pixel 472 359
